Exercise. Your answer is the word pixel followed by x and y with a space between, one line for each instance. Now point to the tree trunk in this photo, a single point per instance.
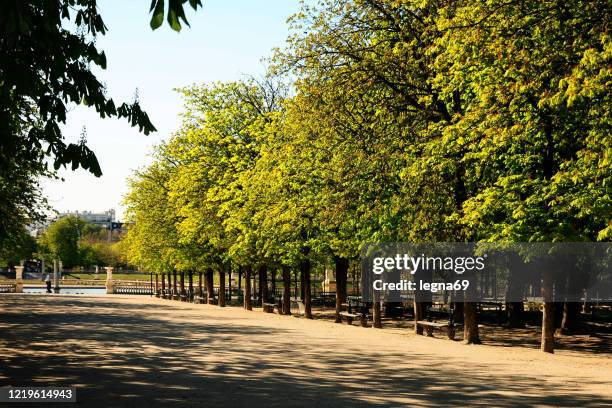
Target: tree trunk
pixel 210 286
pixel 354 282
pixel 190 285
pixel 305 272
pixel 342 266
pixel 571 312
pixel 302 295
pixel 558 316
pixel 470 323
pixel 259 285
pixel 548 314
pixel 515 312
pixel 471 334
pixel 286 290
pixel 163 282
pixel 470 317
pixel 156 285
pixel 221 288
pixel 377 312
pixel 548 328
pixel 273 276
pixel 458 306
pixel 239 279
pixel 229 283
pixel 200 290
pixel 248 305
pixel 392 307
pixel 418 313
pixel 263 285
pixel 174 285
pixel 422 300
pixel 182 283
pixel 255 289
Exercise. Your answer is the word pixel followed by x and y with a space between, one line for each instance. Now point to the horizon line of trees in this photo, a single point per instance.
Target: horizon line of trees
pixel 71 240
pixel 404 120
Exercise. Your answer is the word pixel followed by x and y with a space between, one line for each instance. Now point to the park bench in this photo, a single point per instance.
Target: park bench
pixel 398 311
pixel 276 303
pixel 351 315
pixel 269 307
pixel 449 325
pixel 496 307
pixel 324 299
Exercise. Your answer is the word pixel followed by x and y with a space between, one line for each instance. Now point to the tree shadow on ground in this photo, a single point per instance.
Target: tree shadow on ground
pixel 597 341
pixel 127 355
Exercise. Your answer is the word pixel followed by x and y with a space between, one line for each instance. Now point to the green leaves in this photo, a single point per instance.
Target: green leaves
pixel 46 59
pixel 409 121
pixel 182 204
pixel 157 6
pixel 43 70
pixel 525 94
pixel 79 155
pixel 136 116
pixel 175 13
pixel 61 241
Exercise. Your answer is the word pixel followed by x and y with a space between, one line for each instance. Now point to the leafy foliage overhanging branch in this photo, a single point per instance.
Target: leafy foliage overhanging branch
pixel 47 52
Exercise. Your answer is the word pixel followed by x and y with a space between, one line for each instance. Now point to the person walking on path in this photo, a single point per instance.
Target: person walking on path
pixel 48 283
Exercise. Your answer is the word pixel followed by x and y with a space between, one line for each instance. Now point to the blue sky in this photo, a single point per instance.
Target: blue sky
pixel 226 41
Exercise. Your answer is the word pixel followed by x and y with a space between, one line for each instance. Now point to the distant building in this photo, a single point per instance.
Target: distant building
pixel 106 218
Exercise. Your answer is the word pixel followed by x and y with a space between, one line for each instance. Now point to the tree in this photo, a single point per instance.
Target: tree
pixel 22 247
pixel 47 50
pixel 151 240
pixel 61 241
pixel 493 141
pixel 418 121
pixel 218 142
pixel 534 124
pixel 375 59
pixel 96 250
pixel 22 203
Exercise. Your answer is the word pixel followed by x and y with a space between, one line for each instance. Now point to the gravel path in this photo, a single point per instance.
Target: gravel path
pixel 128 351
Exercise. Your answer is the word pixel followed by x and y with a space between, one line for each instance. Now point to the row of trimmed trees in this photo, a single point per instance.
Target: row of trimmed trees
pixel 413 121
pixel 253 284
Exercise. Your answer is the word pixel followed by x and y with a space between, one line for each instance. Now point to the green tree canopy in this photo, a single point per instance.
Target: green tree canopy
pixel 61 241
pixel 408 120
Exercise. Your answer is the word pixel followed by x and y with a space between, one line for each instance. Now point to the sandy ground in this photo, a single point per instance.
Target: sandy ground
pixel 128 351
